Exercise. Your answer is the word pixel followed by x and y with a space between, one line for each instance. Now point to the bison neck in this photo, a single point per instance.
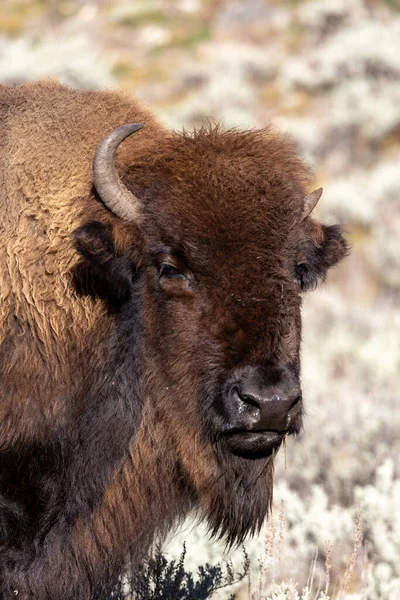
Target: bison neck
pixel 108 411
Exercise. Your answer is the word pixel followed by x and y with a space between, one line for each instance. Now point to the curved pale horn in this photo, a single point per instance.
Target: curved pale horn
pixel 310 202
pixel 111 190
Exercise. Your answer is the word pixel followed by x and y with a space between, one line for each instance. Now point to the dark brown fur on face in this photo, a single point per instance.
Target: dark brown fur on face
pixel 122 343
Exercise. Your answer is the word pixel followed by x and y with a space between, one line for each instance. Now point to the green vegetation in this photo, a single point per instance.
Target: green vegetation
pixel 163 579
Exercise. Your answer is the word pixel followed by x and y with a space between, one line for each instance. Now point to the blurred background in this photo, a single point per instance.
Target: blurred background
pixel 328 73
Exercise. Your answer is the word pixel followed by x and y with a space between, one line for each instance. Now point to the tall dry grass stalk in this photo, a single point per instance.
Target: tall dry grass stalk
pixel 358 537
pixel 270 587
pixel 328 566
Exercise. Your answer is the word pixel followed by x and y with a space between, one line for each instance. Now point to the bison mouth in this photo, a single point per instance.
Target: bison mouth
pixel 254 444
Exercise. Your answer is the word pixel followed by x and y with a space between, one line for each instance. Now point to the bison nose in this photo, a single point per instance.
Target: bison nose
pixel 270 408
pixel 266 398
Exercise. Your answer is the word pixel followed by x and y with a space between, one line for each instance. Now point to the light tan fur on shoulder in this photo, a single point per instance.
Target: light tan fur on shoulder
pixel 48 136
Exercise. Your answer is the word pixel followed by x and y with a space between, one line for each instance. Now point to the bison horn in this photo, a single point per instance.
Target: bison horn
pixel 110 188
pixel 310 202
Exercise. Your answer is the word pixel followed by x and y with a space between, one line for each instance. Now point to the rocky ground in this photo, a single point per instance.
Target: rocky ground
pixel 328 73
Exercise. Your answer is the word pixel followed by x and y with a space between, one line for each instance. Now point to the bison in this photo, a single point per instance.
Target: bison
pixel 149 330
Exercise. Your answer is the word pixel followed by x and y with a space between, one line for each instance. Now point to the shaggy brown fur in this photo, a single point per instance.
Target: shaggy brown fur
pixel 110 370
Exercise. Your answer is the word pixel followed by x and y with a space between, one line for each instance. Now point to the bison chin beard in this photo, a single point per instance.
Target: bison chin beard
pixel 240 497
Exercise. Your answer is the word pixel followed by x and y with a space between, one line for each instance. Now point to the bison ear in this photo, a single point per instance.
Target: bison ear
pixel 318 258
pixel 102 272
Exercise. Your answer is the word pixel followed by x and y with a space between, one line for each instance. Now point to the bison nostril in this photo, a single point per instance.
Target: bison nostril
pixel 243 405
pixel 295 401
pixel 248 399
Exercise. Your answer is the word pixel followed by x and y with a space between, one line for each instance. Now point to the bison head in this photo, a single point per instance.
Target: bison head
pixel 212 250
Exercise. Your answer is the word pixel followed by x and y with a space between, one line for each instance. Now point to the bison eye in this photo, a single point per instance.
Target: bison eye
pixel 170 272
